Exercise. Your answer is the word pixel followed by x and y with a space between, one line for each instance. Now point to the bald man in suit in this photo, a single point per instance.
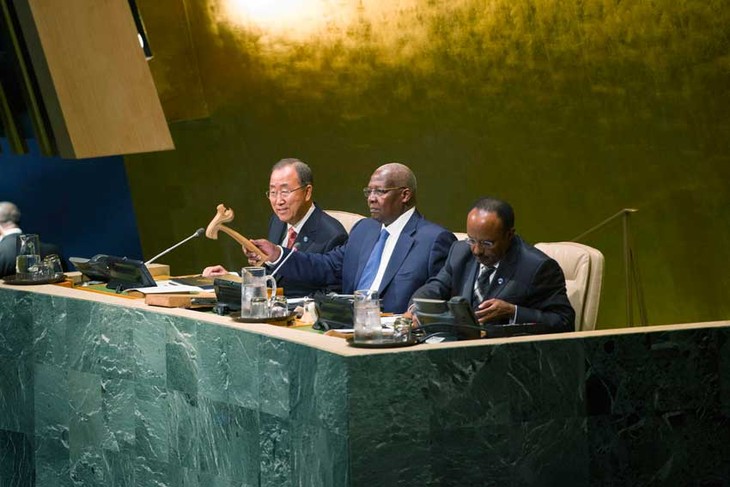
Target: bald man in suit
pixel 505 279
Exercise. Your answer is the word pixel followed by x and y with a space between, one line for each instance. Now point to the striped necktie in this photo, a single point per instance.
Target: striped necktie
pixel 481 284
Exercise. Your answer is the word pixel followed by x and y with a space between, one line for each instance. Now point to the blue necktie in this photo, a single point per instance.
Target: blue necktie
pixel 371 268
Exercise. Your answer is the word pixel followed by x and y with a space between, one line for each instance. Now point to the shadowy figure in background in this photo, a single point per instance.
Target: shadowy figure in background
pixel 9 231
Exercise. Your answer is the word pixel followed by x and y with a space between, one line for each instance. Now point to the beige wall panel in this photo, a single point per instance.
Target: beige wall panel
pixel 94 78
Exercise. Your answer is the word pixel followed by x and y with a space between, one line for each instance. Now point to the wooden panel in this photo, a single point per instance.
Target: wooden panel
pixel 95 82
pixel 18 75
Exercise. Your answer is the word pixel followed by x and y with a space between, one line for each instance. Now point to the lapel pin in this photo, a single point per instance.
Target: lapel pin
pixel 500 281
pixel 306 239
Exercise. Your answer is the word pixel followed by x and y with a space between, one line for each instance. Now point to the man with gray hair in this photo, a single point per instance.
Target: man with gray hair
pixel 297 220
pixel 9 231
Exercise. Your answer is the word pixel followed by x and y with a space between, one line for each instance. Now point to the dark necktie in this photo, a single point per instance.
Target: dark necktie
pixel 371 268
pixel 482 283
pixel 292 238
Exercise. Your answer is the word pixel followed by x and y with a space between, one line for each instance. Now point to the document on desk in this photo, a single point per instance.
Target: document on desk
pixel 165 287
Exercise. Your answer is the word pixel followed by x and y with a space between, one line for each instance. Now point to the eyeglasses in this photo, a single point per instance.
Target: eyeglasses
pixel 379 192
pixel 284 193
pixel 487 244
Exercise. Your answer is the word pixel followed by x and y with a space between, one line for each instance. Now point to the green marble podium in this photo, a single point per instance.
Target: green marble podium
pixel 99 390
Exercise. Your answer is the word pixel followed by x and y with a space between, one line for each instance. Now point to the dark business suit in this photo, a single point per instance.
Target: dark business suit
pixel 525 277
pixel 8 252
pixel 419 253
pixel 320 233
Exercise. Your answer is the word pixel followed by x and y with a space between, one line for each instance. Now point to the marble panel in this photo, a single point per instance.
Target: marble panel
pixel 16 395
pixel 329 392
pixel 214 356
pixel 118 406
pixel 15 324
pixel 181 352
pixel 49 330
pixel 274 377
pixel 678 448
pixel 275 451
pixel 319 457
pixel 16 459
pixel 506 384
pixel 243 363
pixel 94 394
pixel 724 369
pixel 52 402
pixel 52 462
pixel 88 431
pixel 550 452
pixel 388 418
pixel 652 372
pixel 149 335
pixel 151 425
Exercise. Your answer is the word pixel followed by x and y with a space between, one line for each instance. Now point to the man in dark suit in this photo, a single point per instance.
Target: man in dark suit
pixel 297 220
pixel 395 251
pixel 9 231
pixel 506 280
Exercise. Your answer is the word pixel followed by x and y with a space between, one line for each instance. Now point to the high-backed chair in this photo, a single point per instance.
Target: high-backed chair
pixel 583 269
pixel 347 219
pixel 460 236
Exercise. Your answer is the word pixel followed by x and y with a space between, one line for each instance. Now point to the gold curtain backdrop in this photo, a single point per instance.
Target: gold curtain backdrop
pixel 569 110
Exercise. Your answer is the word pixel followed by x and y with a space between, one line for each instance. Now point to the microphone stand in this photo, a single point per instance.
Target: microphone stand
pixel 294 248
pixel 632 279
pixel 198 233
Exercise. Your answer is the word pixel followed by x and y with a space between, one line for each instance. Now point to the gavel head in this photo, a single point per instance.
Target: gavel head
pixel 223 215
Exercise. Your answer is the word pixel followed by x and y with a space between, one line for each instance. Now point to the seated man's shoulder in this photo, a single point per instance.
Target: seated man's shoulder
pixel 434 230
pixel 533 255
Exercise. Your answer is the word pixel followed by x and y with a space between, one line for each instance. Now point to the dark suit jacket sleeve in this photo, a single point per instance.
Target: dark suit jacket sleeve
pixel 441 285
pixel 548 302
pixel 439 252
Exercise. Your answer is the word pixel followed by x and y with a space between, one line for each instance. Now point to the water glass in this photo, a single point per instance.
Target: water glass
pixel 367 316
pixel 402 328
pixel 279 307
pixel 259 307
pixel 28 250
pixel 53 261
pixel 253 287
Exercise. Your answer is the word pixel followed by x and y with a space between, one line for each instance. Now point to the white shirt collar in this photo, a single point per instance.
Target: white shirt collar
pixel 394 231
pixel 12 231
pixel 298 225
pixel 397 226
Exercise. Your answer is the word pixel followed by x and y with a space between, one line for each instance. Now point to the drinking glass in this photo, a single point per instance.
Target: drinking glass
pixel 253 286
pixel 28 250
pixel 367 316
pixel 279 307
pixel 54 263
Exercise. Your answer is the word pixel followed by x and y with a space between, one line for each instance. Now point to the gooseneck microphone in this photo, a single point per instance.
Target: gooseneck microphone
pixel 294 248
pixel 199 232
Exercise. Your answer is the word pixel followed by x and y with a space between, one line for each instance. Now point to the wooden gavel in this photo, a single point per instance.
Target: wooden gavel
pixel 225 215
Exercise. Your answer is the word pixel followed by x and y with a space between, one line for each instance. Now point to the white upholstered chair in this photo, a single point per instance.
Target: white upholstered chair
pixel 347 219
pixel 460 235
pixel 583 269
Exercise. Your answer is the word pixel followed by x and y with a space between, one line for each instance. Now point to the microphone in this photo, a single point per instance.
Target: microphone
pixel 294 248
pixel 199 232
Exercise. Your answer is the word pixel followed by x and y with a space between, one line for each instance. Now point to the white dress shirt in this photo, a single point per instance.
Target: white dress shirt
pixel 394 231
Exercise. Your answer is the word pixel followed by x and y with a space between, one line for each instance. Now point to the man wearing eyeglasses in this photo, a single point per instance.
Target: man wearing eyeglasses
pixel 393 252
pixel 296 220
pixel 507 280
